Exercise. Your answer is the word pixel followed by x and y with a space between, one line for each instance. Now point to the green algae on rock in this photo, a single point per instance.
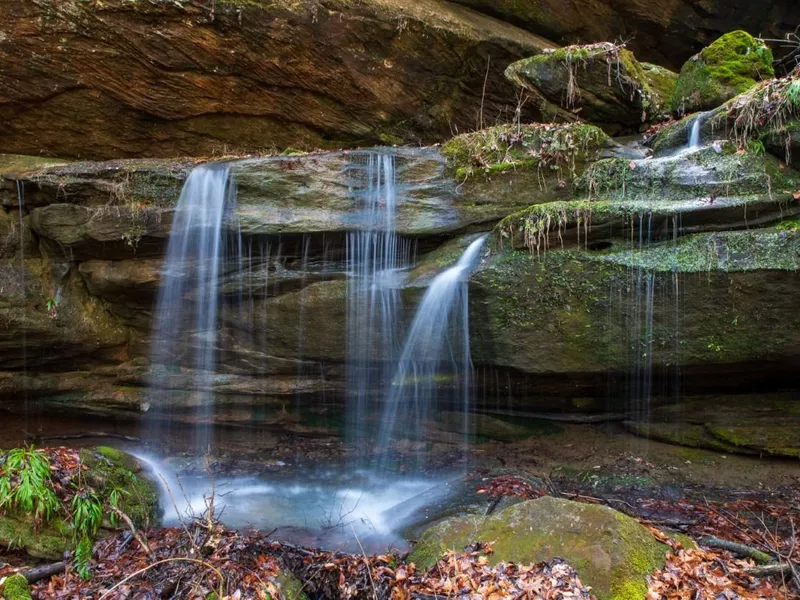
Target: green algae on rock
pixel 541 147
pixel 114 478
pixel 16 588
pixel 612 552
pixel 602 83
pixel 731 65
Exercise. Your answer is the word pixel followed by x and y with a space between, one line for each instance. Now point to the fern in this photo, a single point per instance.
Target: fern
pixel 25 484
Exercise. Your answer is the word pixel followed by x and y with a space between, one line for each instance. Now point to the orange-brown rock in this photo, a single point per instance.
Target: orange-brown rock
pixel 124 78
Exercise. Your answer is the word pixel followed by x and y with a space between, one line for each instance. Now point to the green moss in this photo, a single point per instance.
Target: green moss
pixel 111 469
pixel 661 81
pixel 611 552
pixel 551 149
pixel 291 587
pixel 49 540
pixel 16 588
pixel 731 65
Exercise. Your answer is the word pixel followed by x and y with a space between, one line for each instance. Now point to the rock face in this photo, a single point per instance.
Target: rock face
pixel 560 302
pixel 138 78
pixel 599 83
pixel 731 65
pixel 612 552
pixel 662 32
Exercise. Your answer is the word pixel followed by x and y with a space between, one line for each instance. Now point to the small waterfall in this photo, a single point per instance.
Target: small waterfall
pixel 375 257
pixel 185 325
pixel 694 132
pixel 436 349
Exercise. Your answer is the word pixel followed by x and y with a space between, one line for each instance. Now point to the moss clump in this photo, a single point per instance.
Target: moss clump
pixel 661 81
pixel 16 588
pixel 111 469
pixel 547 148
pixel 291 587
pixel 612 552
pixel 731 65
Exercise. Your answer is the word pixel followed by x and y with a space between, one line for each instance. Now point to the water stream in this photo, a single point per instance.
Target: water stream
pixel 436 356
pixel 185 325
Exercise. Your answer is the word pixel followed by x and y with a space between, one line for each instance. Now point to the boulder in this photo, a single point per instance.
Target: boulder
pixel 583 311
pixel 600 83
pixel 731 65
pixel 109 469
pixel 244 76
pixel 661 32
pixel 612 552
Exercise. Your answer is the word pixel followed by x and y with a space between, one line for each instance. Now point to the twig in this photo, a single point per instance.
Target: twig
pixel 85 434
pixel 761 558
pixel 136 534
pixel 782 569
pixel 366 563
pixel 483 94
pixel 217 572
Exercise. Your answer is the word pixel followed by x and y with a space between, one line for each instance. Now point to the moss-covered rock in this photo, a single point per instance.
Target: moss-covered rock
pixel 604 82
pixel 112 469
pixel 731 65
pixel 109 471
pixel 662 82
pixel 612 552
pixel 16 588
pixel 543 148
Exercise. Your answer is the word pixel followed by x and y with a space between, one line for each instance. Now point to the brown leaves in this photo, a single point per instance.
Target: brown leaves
pixel 470 576
pixel 696 573
pixel 510 485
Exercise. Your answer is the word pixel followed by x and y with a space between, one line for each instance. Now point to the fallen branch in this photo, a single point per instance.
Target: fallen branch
pixel 37 573
pixel 761 558
pixel 782 569
pixel 134 532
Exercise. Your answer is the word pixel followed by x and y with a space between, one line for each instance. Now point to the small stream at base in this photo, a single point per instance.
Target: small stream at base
pixel 330 508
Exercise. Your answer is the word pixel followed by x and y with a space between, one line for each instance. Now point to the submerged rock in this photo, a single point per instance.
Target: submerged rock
pixel 599 83
pixel 612 552
pixel 731 65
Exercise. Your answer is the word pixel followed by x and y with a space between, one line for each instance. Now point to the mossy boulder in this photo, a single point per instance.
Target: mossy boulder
pixel 612 552
pixel 542 148
pixel 600 83
pixel 16 588
pixel 731 65
pixel 109 469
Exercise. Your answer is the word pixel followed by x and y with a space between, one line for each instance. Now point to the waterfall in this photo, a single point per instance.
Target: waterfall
pixel 185 324
pixel 23 279
pixel 694 132
pixel 375 257
pixel 436 349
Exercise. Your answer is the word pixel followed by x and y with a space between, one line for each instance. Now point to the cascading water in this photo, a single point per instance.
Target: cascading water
pixel 694 132
pixel 185 326
pixel 375 257
pixel 436 348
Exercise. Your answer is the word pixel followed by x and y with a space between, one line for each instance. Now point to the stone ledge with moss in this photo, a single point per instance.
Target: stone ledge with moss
pixel 59 479
pixel 603 81
pixel 731 65
pixel 545 149
pixel 612 552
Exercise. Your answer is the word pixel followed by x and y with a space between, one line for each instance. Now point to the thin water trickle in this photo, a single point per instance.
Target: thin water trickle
pixel 694 132
pixel 436 356
pixel 376 257
pixel 185 325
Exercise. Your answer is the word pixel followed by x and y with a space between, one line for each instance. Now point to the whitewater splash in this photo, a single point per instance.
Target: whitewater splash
pixel 185 325
pixel 340 507
pixel 436 358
